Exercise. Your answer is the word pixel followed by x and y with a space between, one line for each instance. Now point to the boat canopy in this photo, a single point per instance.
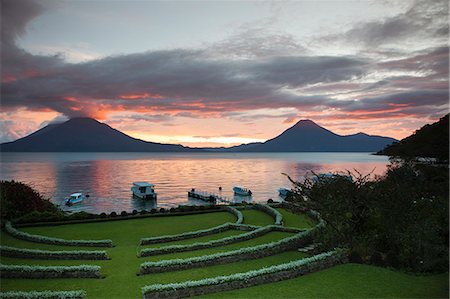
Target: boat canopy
pixel 76 194
pixel 143 184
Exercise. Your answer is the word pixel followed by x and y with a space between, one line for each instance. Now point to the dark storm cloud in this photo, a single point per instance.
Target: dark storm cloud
pixel 423 20
pixel 196 83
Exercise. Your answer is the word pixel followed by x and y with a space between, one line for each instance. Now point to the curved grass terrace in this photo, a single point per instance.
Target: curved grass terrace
pixel 120 272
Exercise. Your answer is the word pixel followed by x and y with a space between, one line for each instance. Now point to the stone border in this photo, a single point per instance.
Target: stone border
pixel 237 213
pixel 56 241
pixel 216 243
pixel 79 294
pixel 29 271
pixel 53 255
pixel 246 279
pixel 196 234
pixel 253 252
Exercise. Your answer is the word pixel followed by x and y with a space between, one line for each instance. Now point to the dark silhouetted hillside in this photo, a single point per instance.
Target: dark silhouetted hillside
pixel 429 141
pixel 84 135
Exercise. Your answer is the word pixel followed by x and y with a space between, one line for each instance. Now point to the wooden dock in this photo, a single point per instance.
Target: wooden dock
pixel 206 196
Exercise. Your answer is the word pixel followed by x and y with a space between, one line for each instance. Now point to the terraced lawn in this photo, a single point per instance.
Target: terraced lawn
pixel 255 217
pixel 349 281
pixel 296 220
pixel 121 280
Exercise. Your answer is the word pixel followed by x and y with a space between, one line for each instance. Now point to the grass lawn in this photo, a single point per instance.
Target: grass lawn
pixel 349 281
pixel 255 217
pixel 121 280
pixel 296 220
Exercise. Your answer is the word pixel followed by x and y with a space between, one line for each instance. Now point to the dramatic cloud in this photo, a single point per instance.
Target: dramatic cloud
pixel 252 69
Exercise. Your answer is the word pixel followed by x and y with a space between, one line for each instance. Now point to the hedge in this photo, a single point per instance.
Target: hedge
pixel 228 256
pixel 245 279
pixel 197 233
pixel 80 294
pixel 272 212
pixel 31 271
pixel 50 240
pixel 237 213
pixel 213 243
pixel 53 255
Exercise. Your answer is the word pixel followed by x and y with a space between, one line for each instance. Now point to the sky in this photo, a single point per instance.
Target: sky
pixel 221 73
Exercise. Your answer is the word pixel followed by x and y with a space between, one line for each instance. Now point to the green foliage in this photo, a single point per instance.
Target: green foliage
pixel 53 254
pixel 18 199
pixel 80 294
pixel 403 215
pixel 429 141
pixel 50 240
pixel 239 276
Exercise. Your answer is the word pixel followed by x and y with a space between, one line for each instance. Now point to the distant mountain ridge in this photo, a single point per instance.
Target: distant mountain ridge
pixel 307 136
pixel 89 135
pixel 85 135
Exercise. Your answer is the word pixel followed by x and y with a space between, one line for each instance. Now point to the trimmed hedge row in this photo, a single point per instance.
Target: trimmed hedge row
pixel 28 271
pixel 197 233
pixel 253 252
pixel 53 255
pixel 245 279
pixel 80 294
pixel 57 241
pixel 219 242
pixel 213 243
pixel 271 211
pixel 237 213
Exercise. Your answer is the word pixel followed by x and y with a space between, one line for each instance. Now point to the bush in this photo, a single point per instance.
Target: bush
pixel 81 294
pixel 52 254
pixel 49 240
pixel 28 271
pixel 354 257
pixel 18 199
pixel 376 259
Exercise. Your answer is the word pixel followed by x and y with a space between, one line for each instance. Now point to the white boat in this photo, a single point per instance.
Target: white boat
pixel 238 190
pixel 327 177
pixel 284 191
pixel 143 190
pixel 75 198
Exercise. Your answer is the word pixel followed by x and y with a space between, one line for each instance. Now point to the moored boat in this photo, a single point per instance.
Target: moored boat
pixel 238 190
pixel 283 191
pixel 143 190
pixel 75 198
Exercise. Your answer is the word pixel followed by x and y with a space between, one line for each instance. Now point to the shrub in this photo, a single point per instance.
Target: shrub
pixel 18 199
pixel 49 240
pixel 28 271
pixel 80 294
pixel 333 256
pixel 53 255
pixel 354 257
pixel 272 212
pixel 376 259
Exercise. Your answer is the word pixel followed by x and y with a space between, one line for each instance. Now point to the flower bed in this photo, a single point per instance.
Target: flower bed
pixel 80 294
pixel 253 252
pixel 213 243
pixel 271 211
pixel 57 241
pixel 237 213
pixel 53 255
pixel 246 279
pixel 28 271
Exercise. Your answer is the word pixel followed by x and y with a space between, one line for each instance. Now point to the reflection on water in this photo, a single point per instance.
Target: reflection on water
pixel 108 177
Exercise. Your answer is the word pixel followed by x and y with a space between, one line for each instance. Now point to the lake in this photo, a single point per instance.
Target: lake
pixel 107 177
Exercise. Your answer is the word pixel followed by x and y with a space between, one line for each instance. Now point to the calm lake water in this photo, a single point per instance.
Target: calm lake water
pixel 107 177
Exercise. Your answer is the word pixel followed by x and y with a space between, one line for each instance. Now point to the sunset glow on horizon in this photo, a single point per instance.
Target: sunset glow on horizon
pixel 239 72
